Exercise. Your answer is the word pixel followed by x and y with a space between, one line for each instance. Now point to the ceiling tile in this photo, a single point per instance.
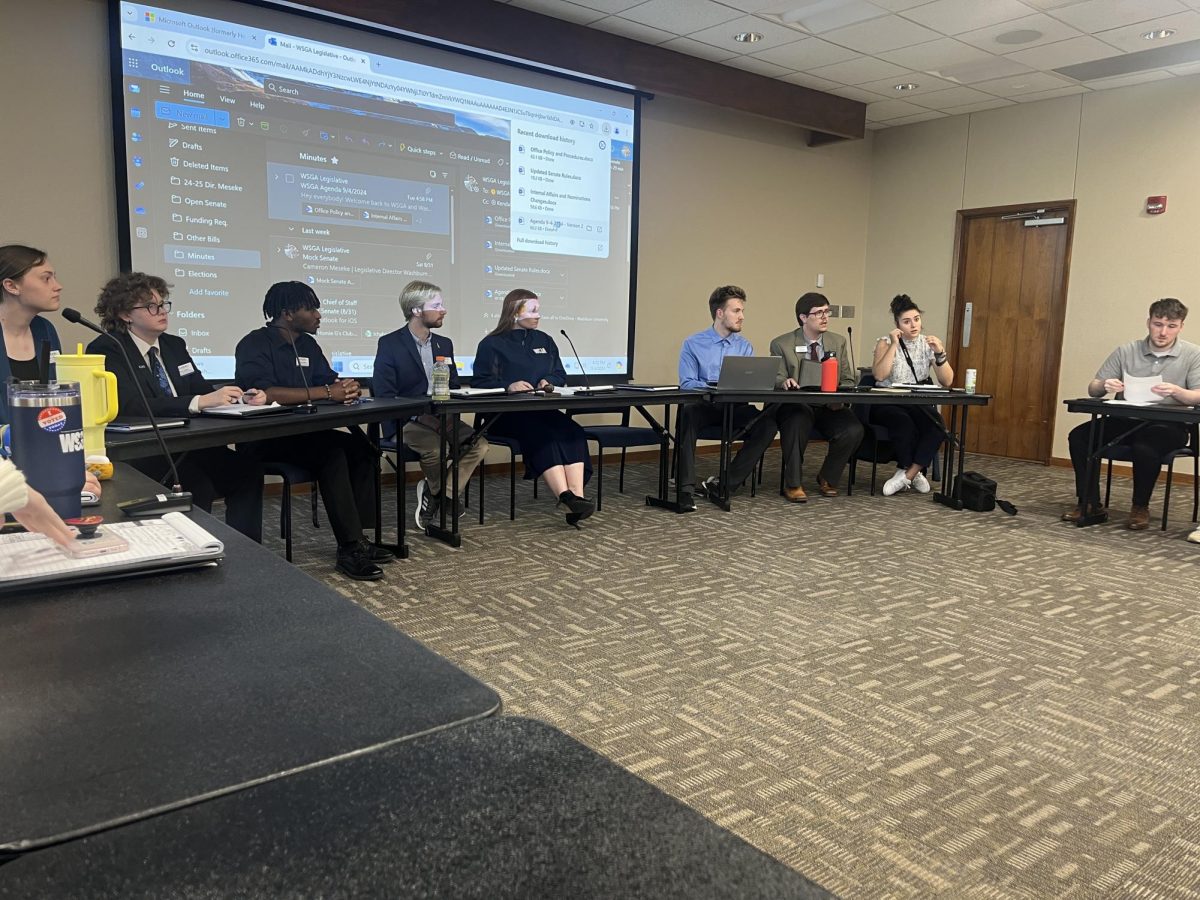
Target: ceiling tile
pixel 878 35
pixel 891 109
pixel 898 5
pixel 812 81
pixel 919 117
pixel 855 93
pixel 1185 69
pixel 609 6
pixel 806 54
pixel 933 56
pixel 858 71
pixel 680 16
pixel 560 9
pixel 1051 95
pixel 1015 85
pixel 1050 4
pixel 995 39
pixel 876 126
pixel 957 16
pixel 981 106
pixel 1101 15
pixel 948 99
pixel 751 6
pixel 696 48
pixel 925 84
pixel 1186 26
pixel 1126 80
pixel 635 30
pixel 982 70
pixel 758 66
pixel 819 16
pixel 1064 53
pixel 722 35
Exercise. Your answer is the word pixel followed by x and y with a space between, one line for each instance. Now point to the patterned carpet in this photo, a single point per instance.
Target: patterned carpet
pixel 893 698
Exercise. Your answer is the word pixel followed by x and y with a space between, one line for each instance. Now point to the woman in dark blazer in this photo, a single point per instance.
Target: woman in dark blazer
pixel 28 288
pixel 519 358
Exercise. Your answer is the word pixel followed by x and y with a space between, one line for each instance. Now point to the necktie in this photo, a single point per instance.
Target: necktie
pixel 813 353
pixel 160 374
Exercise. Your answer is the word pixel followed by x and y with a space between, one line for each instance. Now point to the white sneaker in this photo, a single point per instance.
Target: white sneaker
pixel 897 483
pixel 1194 537
pixel 920 483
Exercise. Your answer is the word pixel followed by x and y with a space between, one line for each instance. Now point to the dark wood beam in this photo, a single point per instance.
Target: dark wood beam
pixel 500 28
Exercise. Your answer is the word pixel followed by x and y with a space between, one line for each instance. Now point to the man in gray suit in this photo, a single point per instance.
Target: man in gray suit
pixel 838 424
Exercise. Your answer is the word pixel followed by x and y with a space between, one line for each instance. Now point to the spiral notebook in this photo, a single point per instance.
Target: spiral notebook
pixel 172 542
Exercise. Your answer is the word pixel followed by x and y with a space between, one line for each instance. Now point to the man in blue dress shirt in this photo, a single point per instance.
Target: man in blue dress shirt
pixel 700 362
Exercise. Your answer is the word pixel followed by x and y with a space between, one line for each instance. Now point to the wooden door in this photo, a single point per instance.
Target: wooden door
pixel 1007 322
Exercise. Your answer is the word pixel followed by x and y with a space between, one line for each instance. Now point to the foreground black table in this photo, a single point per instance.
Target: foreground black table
pixel 499 808
pixel 953 450
pixel 1138 417
pixel 217 431
pixel 123 699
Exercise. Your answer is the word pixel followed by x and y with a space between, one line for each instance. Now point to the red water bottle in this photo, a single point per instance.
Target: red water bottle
pixel 829 374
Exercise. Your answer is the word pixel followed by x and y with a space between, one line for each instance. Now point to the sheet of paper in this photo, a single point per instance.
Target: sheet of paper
pixel 1137 390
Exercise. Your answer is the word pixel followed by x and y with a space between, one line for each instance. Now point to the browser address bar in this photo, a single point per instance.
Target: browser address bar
pixel 239 58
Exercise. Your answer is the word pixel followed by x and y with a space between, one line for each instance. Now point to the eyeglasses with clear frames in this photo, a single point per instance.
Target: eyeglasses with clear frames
pixel 156 308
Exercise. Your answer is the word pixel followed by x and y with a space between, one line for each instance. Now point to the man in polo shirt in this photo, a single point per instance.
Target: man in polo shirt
pixel 700 366
pixel 1161 354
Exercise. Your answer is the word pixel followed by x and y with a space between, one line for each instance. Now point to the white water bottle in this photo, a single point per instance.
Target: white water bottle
pixel 441 379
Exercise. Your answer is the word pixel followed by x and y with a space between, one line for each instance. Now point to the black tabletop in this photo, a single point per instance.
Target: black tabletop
pixel 492 403
pixel 858 398
pixel 215 431
pixel 499 808
pixel 121 698
pixel 1155 412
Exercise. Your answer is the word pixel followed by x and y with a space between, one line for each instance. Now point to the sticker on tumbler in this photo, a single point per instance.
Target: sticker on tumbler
pixel 52 419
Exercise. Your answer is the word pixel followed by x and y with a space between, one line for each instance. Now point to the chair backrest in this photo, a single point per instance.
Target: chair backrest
pixel 607 410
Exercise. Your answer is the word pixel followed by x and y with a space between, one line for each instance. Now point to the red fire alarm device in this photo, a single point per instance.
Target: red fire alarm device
pixel 1156 206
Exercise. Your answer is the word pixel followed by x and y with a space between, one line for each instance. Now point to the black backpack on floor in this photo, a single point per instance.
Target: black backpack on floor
pixel 979 494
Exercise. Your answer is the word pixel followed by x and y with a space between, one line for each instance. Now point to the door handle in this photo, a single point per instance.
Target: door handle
pixel 968 309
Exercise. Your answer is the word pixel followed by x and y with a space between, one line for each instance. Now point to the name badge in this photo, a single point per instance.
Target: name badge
pixel 187 369
pixel 539 349
pixel 302 361
pixel 801 349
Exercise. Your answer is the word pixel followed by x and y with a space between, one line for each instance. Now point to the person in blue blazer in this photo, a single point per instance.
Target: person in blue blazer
pixel 519 358
pixel 133 309
pixel 29 287
pixel 404 368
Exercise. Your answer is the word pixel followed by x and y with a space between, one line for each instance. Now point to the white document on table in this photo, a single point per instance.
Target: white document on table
pixel 1137 389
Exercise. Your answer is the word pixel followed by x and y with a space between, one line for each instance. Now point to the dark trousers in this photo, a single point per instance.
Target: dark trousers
pixel 839 426
pixel 695 416
pixel 1148 446
pixel 218 472
pixel 914 435
pixel 344 466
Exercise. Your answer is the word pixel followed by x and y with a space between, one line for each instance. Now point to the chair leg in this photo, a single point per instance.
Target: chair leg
pixel 512 486
pixel 621 478
pixel 1167 492
pixel 1108 484
pixel 285 520
pixel 482 466
pixel 314 493
pixel 599 477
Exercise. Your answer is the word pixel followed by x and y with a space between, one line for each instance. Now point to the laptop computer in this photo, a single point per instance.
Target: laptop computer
pixel 748 373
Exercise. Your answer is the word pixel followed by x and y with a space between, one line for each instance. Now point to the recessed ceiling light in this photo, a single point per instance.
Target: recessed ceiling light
pixel 1158 34
pixel 907 86
pixel 748 37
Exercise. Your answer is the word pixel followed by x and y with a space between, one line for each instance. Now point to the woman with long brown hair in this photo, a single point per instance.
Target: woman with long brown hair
pixel 28 288
pixel 519 358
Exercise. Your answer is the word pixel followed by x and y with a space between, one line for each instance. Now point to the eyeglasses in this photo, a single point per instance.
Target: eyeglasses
pixel 820 313
pixel 156 308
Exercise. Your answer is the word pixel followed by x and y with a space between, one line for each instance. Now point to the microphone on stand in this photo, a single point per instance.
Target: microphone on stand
pixel 587 388
pixel 850 344
pixel 306 408
pixel 178 500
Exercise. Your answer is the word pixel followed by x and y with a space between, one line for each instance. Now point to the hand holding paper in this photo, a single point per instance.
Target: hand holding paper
pixel 1141 390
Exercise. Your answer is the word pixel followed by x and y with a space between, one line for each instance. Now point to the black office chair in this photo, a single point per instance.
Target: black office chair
pixel 514 450
pixel 1121 453
pixel 291 475
pixel 623 436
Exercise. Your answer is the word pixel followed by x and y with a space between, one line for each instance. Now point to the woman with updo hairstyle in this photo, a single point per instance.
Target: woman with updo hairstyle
pixel 907 356
pixel 520 359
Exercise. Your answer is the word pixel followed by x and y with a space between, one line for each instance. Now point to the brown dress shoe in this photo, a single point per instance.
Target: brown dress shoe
pixel 1076 513
pixel 826 489
pixel 796 494
pixel 1139 518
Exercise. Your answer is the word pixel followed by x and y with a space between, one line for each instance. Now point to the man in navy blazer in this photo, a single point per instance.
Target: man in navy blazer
pixel 404 368
pixel 133 309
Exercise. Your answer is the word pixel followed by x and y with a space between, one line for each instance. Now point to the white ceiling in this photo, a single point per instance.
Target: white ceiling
pixel 963 55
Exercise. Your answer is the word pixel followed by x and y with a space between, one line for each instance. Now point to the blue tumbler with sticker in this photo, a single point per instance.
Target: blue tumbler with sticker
pixel 47 441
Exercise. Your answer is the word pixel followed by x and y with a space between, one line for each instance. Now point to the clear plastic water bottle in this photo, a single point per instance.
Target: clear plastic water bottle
pixel 441 378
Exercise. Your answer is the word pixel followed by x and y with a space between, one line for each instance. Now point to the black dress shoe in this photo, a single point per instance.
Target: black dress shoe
pixel 687 502
pixel 355 562
pixel 379 554
pixel 580 507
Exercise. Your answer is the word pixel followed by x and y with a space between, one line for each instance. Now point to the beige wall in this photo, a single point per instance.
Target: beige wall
pixel 1108 150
